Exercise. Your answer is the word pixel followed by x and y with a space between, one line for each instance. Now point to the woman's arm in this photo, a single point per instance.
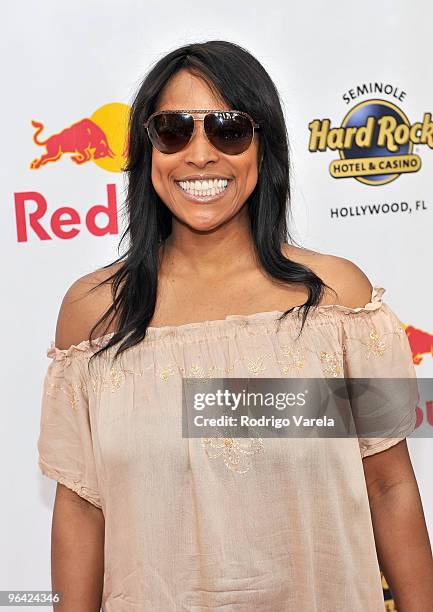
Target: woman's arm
pixel 400 531
pixel 78 527
pixel 77 552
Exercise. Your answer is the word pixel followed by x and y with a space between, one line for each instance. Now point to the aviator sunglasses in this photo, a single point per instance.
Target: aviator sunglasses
pixel 229 131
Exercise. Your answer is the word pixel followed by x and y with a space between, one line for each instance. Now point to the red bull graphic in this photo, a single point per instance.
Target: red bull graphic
pixel 85 139
pixel 421 343
pixel 100 138
pixel 65 222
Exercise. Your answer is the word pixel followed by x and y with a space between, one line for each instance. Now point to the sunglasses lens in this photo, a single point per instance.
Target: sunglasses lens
pixel 170 132
pixel 231 133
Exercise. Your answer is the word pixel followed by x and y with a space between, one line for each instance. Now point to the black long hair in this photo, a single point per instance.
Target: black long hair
pixel 240 80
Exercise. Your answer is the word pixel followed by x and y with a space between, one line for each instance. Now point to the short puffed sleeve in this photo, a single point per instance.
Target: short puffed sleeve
pixel 375 346
pixel 65 443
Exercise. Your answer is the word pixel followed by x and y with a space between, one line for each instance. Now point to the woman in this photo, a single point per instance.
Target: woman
pixel 145 519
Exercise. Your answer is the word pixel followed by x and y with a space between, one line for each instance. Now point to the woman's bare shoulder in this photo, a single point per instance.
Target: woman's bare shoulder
pixel 83 304
pixel 351 285
pixel 300 254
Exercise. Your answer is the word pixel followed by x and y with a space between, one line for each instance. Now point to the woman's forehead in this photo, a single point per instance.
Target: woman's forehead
pixel 187 91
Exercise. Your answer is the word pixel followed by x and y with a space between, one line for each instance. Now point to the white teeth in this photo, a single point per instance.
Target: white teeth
pixel 204 188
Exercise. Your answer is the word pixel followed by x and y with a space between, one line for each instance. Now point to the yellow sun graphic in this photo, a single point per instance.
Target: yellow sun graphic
pixel 113 119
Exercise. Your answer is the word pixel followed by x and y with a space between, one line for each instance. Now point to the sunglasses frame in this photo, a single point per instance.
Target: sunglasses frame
pixel 205 111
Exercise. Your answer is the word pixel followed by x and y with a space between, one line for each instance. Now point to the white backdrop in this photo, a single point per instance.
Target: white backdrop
pixel 65 62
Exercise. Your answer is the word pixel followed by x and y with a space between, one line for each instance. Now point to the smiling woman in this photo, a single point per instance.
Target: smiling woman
pixel 212 286
pixel 217 146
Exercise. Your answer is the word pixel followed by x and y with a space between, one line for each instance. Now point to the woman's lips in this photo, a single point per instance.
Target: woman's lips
pixel 204 199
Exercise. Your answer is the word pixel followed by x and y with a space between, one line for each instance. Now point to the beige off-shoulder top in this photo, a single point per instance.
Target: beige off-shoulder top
pixel 192 525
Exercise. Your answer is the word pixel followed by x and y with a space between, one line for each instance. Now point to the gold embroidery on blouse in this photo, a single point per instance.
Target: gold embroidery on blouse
pixel 53 386
pixel 236 452
pixel 74 398
pixel 292 360
pixel 69 390
pixel 376 346
pixel 166 372
pixel 332 363
pixel 256 366
pixel 198 371
pixel 117 378
pixel 235 457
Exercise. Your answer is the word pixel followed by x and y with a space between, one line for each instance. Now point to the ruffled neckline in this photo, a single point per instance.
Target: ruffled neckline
pixel 153 333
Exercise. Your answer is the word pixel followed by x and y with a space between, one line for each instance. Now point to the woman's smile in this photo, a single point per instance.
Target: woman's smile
pixel 204 191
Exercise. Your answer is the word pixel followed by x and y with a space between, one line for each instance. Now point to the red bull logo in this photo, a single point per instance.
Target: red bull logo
pixel 100 138
pixel 421 343
pixel 84 139
pixel 66 222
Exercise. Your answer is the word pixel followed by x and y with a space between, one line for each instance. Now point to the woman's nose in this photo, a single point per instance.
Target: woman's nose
pixel 199 150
